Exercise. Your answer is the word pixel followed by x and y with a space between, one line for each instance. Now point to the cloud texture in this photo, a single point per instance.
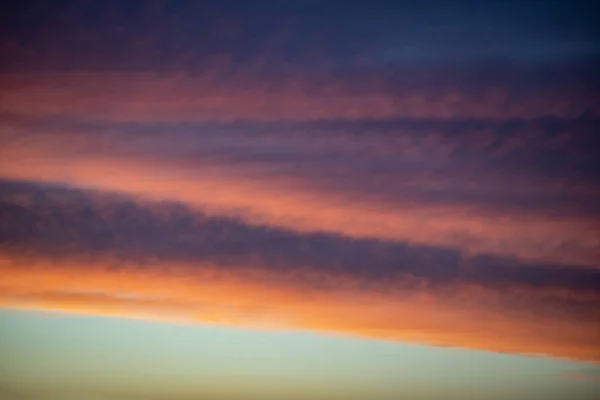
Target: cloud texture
pixel 264 169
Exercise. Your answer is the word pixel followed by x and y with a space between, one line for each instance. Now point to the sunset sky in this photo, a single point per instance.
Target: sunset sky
pixel 299 199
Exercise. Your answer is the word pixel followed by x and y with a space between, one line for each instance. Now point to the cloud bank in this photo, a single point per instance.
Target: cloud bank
pixel 164 260
pixel 422 174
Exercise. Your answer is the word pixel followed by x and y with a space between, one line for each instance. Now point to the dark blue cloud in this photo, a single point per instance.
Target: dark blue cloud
pixel 499 167
pixel 60 222
pixel 287 36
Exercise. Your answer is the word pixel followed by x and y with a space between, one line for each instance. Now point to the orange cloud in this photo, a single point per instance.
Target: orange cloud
pixel 158 98
pixel 259 196
pixel 261 299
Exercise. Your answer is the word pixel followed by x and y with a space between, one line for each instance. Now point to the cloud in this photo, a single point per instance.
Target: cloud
pixel 176 97
pixel 169 291
pixel 430 189
pixel 368 128
pixel 179 61
pixel 270 164
pixel 270 36
pixel 55 220
pixel 164 260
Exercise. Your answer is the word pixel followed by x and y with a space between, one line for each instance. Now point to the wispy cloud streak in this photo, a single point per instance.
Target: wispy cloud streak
pixel 412 173
pixel 163 260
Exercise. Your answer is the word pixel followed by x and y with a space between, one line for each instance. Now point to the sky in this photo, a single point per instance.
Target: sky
pixel 320 199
